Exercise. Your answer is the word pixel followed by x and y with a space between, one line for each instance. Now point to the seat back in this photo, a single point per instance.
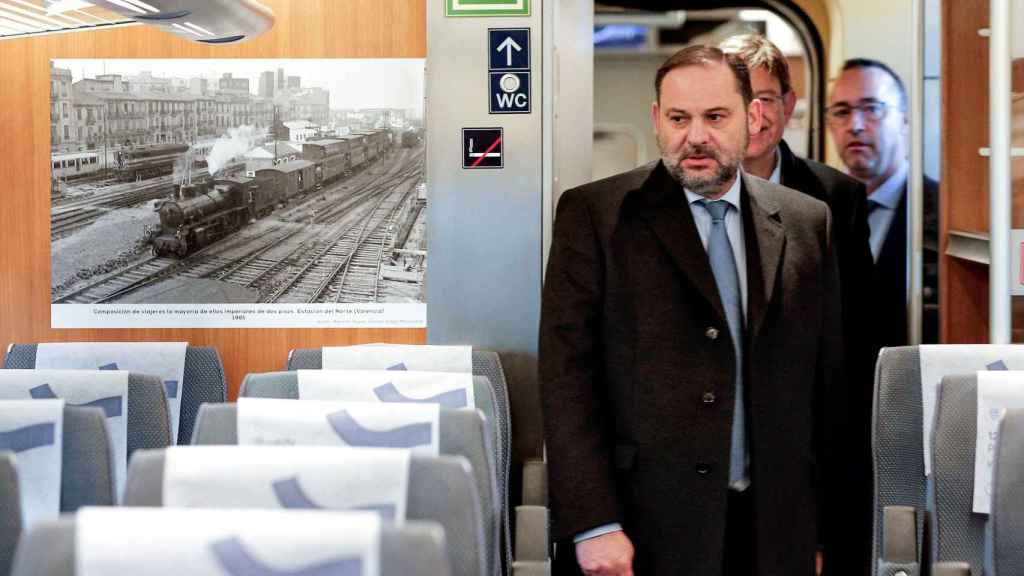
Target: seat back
pixel 414 549
pixel 87 479
pixel 957 533
pixel 440 489
pixel 87 474
pixel 897 440
pixel 486 363
pixel 10 512
pixel 898 433
pixel 285 385
pixel 462 433
pixel 203 381
pixel 1007 521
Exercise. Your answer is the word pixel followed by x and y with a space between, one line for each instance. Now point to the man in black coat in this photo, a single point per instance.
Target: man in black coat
pixel 868 121
pixel 690 353
pixel 769 157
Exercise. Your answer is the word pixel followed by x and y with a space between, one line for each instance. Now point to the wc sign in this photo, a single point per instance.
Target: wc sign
pixel 508 69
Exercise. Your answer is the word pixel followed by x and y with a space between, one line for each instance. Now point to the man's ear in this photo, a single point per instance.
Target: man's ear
pixel 754 112
pixel 788 105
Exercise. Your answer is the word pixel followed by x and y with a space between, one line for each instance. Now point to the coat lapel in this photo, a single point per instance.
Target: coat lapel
pixel 765 241
pixel 669 216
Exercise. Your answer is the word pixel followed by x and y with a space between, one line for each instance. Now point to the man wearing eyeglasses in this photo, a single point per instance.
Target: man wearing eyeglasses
pixel 868 122
pixel 769 157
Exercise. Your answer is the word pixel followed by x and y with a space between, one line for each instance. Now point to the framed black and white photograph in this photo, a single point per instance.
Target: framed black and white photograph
pixel 237 193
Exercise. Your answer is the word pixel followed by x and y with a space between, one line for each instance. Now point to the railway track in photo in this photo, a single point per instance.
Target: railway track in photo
pixel 309 282
pixel 274 259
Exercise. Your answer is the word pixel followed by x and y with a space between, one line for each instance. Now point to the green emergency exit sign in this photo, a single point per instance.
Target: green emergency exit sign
pixel 487 8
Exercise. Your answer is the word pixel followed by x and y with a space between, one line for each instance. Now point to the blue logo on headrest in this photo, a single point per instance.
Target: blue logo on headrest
pixel 451 399
pixel 111 405
pixel 237 561
pixel 997 365
pixel 353 434
pixel 171 388
pixel 28 437
pixel 400 366
pixel 291 495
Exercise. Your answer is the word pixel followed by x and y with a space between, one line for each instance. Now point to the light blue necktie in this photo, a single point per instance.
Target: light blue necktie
pixel 723 265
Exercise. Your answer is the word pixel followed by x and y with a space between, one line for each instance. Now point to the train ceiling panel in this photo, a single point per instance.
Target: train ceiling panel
pixel 205 21
pixel 19 18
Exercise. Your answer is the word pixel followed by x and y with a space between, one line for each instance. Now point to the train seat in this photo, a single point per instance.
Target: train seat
pixel 54 548
pixel 203 380
pixel 440 489
pixel 485 363
pixel 898 441
pixel 461 433
pixel 1006 535
pixel 147 420
pixel 10 511
pixel 86 475
pixel 957 534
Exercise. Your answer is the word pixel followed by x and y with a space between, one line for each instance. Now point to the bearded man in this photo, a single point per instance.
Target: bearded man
pixel 690 353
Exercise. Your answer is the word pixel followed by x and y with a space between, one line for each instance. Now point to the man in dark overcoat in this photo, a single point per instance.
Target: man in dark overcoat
pixel 691 352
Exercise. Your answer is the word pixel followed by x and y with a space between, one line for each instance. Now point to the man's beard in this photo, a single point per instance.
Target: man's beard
pixel 703 185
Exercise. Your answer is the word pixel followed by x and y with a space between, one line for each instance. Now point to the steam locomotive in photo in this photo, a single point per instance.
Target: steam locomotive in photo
pixel 201 214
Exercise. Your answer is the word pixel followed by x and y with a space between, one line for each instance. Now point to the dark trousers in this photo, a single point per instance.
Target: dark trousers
pixel 739 557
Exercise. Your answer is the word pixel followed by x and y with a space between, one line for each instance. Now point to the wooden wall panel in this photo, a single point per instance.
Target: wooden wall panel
pixel 964 182
pixel 963 187
pixel 304 29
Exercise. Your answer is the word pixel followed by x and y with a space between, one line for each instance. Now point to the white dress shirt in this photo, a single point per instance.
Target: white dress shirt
pixel 776 175
pixel 882 205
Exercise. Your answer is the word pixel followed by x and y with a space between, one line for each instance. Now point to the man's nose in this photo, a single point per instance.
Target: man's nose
pixel 698 132
pixel 857 122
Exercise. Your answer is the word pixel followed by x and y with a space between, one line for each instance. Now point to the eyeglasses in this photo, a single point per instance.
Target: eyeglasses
pixel 843 113
pixel 770 100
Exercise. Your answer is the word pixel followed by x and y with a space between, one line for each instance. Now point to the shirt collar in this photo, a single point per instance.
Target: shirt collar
pixel 776 176
pixel 889 193
pixel 732 196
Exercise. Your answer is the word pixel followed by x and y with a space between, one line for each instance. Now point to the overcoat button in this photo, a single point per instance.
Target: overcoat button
pixel 708 398
pixel 711 333
pixel 703 469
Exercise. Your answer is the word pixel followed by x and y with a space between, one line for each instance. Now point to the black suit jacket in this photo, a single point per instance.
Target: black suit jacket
pixel 636 371
pixel 847 198
pixel 891 273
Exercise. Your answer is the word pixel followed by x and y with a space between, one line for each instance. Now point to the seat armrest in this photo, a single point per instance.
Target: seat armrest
pixel 535 483
pixel 951 569
pixel 899 535
pixel 531 569
pixel 531 534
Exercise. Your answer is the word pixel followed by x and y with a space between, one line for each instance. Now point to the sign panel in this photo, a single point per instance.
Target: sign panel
pixel 510 93
pixel 509 48
pixel 487 8
pixel 482 148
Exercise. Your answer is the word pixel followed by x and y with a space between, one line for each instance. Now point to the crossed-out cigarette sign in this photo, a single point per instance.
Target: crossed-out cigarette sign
pixel 481 148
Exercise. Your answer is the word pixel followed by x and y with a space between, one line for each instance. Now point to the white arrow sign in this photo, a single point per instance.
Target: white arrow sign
pixel 509 45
